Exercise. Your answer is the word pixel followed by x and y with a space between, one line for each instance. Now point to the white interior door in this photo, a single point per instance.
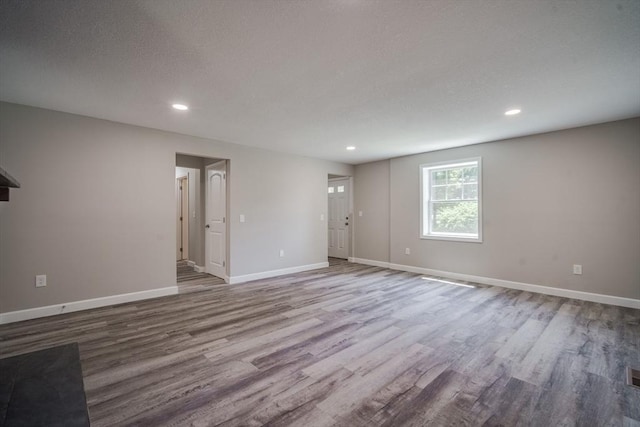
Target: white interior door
pixel 339 218
pixel 215 224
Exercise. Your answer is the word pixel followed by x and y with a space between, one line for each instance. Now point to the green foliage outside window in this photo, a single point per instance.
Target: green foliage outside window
pixel 460 217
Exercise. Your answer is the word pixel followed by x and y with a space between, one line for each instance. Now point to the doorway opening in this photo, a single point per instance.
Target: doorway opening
pixel 182 223
pixel 339 217
pixel 202 235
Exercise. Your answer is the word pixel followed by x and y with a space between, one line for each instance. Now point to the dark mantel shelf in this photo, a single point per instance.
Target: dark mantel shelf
pixel 6 182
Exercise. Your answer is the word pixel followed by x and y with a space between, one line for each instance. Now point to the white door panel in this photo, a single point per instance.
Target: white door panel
pixel 216 249
pixel 215 227
pixel 338 221
pixel 341 239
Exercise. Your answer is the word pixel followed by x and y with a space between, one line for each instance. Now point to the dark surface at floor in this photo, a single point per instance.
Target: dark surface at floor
pixel 43 388
pixel 350 345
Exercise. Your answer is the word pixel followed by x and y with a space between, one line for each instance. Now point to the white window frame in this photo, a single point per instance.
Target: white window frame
pixel 428 234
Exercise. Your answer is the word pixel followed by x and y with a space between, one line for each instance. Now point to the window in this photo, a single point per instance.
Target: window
pixel 451 200
pixel 340 188
pixel 330 189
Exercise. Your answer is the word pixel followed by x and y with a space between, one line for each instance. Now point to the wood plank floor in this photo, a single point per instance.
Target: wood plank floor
pixel 185 272
pixel 189 280
pixel 350 345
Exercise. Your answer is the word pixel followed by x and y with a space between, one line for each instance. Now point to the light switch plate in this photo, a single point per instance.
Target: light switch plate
pixel 41 280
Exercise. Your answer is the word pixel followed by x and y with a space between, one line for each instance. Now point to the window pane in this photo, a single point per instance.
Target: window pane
pixel 454 192
pixel 454 175
pixel 470 191
pixel 455 217
pixel 451 200
pixel 439 177
pixel 340 188
pixel 470 174
pixel 330 189
pixel 439 193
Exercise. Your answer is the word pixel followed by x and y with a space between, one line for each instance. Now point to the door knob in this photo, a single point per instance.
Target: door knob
pixel 346 223
pixel 206 226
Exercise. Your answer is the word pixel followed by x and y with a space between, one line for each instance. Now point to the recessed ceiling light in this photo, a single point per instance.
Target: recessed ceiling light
pixel 512 112
pixel 351 147
pixel 180 107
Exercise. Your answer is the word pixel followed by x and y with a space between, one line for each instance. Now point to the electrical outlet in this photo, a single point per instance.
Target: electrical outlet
pixel 41 281
pixel 577 269
pixel 407 251
pixel 281 253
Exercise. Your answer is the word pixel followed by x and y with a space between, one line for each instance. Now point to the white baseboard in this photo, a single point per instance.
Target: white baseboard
pixel 196 267
pixel 273 273
pixel 371 262
pixel 539 289
pixel 68 307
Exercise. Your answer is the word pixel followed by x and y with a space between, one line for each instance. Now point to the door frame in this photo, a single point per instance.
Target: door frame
pixel 184 215
pixel 352 227
pixel 178 211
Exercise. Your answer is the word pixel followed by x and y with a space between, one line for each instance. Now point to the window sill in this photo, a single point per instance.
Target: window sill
pixel 453 238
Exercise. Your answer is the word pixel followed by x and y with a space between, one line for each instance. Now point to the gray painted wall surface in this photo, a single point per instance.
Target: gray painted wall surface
pixel 550 201
pixel 96 211
pixel 372 198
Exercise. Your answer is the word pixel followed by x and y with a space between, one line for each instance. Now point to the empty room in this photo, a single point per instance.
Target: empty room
pixel 319 213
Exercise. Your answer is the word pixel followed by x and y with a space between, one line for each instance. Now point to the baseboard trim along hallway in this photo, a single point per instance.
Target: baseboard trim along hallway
pixel 273 273
pixel 539 289
pixel 69 307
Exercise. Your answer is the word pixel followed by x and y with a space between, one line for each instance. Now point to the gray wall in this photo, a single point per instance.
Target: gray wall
pixel 371 197
pixel 549 201
pixel 96 211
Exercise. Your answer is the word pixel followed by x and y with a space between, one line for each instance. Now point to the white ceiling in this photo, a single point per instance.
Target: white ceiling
pixel 311 77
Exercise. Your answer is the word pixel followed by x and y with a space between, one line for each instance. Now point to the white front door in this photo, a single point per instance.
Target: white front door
pixel 215 225
pixel 339 218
